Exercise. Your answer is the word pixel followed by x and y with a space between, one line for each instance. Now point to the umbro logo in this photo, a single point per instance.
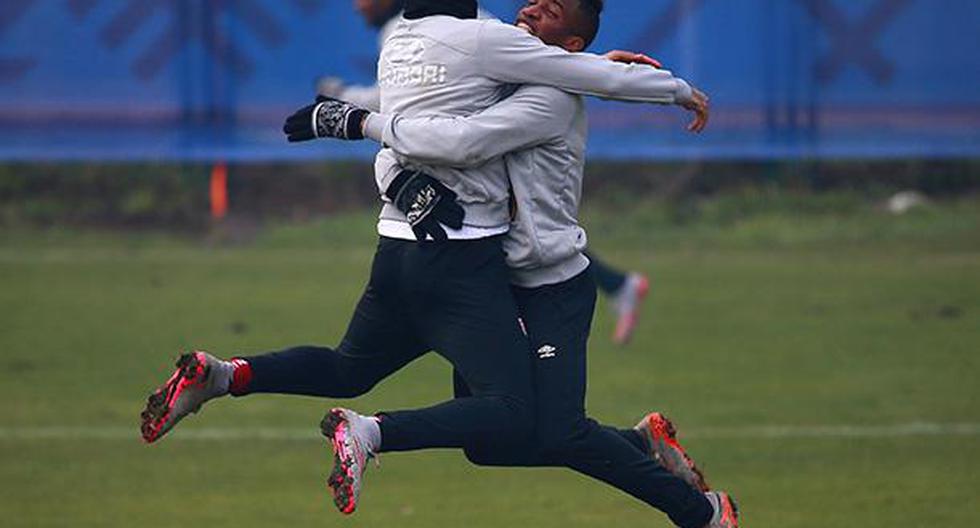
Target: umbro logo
pixel 547 352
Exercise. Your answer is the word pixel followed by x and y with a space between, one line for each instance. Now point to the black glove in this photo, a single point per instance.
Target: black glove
pixel 427 203
pixel 325 118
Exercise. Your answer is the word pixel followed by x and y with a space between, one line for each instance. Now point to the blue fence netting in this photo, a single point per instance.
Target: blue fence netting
pixel 209 80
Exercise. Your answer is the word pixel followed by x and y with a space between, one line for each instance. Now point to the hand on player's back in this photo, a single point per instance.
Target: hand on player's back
pixel 427 203
pixel 630 57
pixel 699 105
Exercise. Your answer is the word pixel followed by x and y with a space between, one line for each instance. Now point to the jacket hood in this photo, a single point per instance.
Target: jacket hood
pixel 455 8
pixel 396 8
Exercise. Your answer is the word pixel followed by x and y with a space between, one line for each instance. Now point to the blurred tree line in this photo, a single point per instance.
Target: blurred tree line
pixel 176 196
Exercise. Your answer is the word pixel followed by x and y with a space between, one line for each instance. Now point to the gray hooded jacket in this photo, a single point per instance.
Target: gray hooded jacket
pixel 440 66
pixel 540 133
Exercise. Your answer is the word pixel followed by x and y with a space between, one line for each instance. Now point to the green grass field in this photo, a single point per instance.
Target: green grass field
pixel 823 363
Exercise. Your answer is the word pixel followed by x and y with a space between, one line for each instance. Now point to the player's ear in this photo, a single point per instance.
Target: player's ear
pixel 574 44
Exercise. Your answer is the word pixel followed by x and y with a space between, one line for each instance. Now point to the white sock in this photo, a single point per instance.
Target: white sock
pixel 368 428
pixel 221 374
pixel 715 506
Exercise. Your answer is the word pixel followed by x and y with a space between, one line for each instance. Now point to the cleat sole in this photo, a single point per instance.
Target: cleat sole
pixel 158 405
pixel 671 455
pixel 330 422
pixel 340 481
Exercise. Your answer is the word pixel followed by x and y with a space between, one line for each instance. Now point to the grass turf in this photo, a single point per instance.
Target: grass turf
pixel 825 318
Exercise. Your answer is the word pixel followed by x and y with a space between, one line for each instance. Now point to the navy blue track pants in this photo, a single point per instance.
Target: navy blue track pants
pixel 448 297
pixel 558 319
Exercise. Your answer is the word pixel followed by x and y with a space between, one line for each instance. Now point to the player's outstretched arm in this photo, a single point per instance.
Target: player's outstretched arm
pixel 531 116
pixel 366 97
pixel 698 105
pixel 511 55
pixel 325 118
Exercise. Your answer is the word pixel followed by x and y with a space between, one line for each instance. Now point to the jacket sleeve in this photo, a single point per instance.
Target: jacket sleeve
pixel 531 116
pixel 366 97
pixel 386 168
pixel 509 54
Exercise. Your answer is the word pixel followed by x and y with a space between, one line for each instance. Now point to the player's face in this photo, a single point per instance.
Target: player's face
pixel 552 22
pixel 372 10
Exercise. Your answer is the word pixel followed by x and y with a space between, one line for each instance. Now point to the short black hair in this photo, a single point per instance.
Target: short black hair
pixel 589 13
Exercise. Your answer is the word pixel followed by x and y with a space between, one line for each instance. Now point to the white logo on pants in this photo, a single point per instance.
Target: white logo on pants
pixel 547 352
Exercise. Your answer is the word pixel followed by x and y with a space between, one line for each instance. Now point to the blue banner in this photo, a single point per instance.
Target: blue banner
pixel 212 80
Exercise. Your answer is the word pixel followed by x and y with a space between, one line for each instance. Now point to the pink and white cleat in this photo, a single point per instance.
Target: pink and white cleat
pixel 199 377
pixel 351 451
pixel 627 304
pixel 661 438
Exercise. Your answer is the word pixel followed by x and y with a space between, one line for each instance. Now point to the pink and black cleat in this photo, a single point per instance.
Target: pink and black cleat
pixel 661 437
pixel 199 377
pixel 350 456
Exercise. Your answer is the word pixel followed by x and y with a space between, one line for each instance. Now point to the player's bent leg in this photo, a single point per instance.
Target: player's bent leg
pixel 660 437
pixel 496 451
pixel 456 423
pixel 459 303
pixel 518 451
pixel 558 320
pixel 605 456
pixel 318 371
pixel 199 377
pixel 378 342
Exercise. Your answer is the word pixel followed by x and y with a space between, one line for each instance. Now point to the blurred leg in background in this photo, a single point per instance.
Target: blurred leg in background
pixel 626 291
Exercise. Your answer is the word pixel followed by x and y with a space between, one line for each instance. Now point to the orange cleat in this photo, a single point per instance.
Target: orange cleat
pixel 661 438
pixel 726 510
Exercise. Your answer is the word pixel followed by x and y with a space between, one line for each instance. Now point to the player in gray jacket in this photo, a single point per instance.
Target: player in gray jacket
pixel 437 282
pixel 540 132
pixel 626 290
pixel 382 15
pixel 438 65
